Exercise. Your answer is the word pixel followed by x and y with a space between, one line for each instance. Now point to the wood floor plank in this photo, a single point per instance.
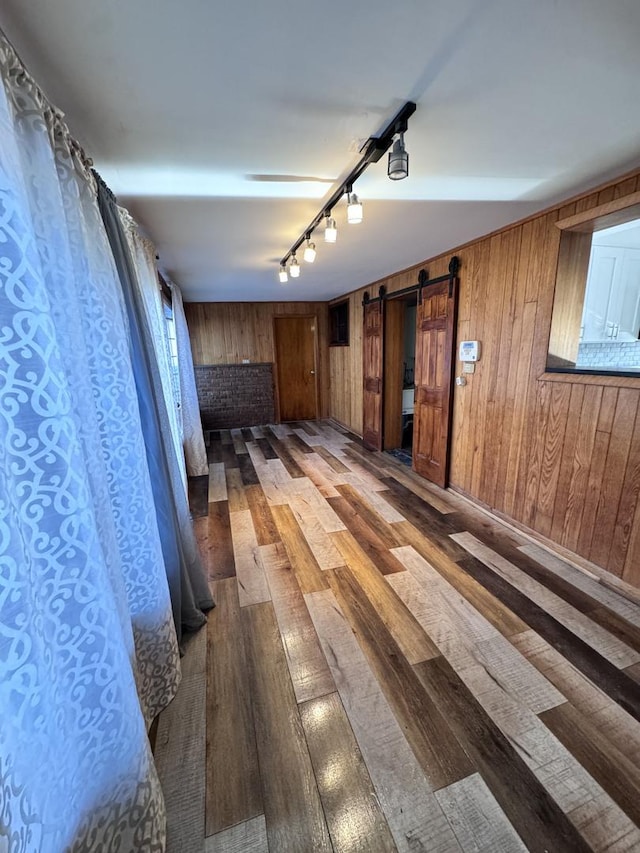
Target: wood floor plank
pixel 335 463
pixel 233 780
pixel 180 762
pixel 309 574
pixel 354 817
pixel 213 535
pixel 298 443
pixel 286 456
pixel 531 810
pixel 440 755
pixel 377 502
pixel 493 610
pixel 609 766
pixel 463 634
pixel 432 524
pixel 606 596
pixel 476 817
pixel 367 511
pixel 319 541
pixel 605 675
pixel 311 500
pixel 307 427
pixel 605 643
pixel 633 671
pixel 399 621
pixel 317 470
pixel 247 470
pixel 363 541
pixel 247 837
pixel 247 434
pixel 414 816
pixel 308 668
pixel 267 450
pixel 228 456
pixel 437 498
pixel 265 526
pixel 235 490
pixel 252 583
pixel 614 723
pixel 217 482
pixel 292 807
pixel 198 489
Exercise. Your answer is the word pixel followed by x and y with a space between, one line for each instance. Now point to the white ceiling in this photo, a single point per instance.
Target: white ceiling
pixel 186 107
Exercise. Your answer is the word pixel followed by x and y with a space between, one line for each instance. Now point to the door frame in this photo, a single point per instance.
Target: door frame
pixel 423 282
pixel 316 360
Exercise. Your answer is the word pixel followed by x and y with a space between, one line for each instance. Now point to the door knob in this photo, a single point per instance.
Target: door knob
pixel 312 372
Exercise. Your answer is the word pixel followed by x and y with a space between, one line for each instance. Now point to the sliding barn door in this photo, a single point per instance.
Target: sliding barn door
pixel 435 341
pixel 372 345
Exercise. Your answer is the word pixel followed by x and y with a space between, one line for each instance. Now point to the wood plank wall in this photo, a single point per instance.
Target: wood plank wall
pixel 228 332
pixel 557 453
pixel 345 371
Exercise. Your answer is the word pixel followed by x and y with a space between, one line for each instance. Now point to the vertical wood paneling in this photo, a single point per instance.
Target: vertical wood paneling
pixel 228 332
pixel 556 455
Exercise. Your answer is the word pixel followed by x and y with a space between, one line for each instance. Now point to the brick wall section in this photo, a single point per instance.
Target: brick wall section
pixel 235 395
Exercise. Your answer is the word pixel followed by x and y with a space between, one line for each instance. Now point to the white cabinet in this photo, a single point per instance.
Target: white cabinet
pixel 612 298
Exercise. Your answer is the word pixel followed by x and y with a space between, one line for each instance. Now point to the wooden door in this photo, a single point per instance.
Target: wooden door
pixel 372 347
pixel 296 371
pixel 435 341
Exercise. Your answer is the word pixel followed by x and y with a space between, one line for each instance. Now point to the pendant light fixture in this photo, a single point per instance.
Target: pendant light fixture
pixel 309 251
pixel 354 208
pixel 398 167
pixel 283 275
pixel 330 230
pixel 294 267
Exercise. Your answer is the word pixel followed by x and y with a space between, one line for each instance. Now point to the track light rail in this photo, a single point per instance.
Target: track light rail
pixel 372 150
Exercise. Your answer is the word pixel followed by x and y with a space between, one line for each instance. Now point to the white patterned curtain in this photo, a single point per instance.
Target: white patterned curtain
pixel 88 651
pixel 194 449
pixel 143 255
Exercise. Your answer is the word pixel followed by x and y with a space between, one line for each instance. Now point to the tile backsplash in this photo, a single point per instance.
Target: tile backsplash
pixel 609 355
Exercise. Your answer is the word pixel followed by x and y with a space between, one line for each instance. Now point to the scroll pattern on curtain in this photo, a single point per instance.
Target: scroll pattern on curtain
pixel 88 651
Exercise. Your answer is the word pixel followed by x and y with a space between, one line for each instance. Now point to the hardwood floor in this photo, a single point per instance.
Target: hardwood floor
pixel 388 668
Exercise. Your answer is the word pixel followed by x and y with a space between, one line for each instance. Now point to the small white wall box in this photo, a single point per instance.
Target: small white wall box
pixel 470 351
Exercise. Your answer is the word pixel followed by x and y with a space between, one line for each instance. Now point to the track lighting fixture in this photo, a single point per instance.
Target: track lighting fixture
pixel 372 151
pixel 330 230
pixel 398 167
pixel 283 275
pixel 354 208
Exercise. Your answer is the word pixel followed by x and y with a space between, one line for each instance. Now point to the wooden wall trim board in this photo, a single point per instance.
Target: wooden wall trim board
pixel 603 215
pixel 531 445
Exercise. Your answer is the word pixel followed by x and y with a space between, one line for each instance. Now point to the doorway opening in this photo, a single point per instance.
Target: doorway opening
pixel 399 375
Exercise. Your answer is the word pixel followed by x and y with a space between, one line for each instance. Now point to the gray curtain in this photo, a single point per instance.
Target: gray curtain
pixel 190 594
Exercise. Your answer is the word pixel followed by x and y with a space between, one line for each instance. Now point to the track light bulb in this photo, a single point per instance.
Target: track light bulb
pixel 354 209
pixel 398 167
pixel 330 230
pixel 294 267
pixel 309 252
pixel 283 276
